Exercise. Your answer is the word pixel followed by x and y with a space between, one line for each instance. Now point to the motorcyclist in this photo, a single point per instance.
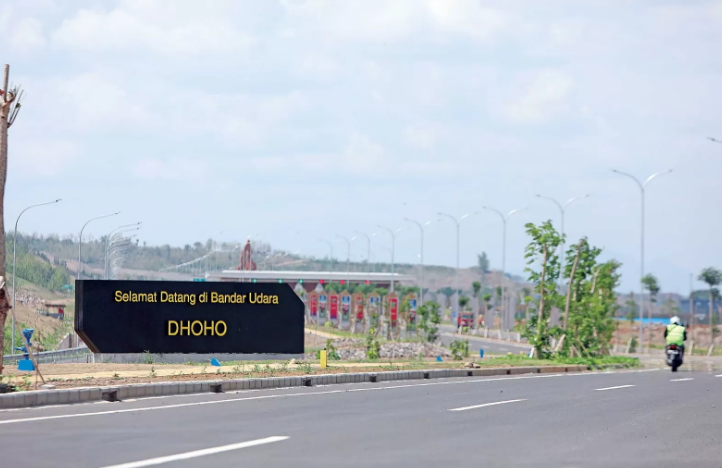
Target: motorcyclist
pixel 676 334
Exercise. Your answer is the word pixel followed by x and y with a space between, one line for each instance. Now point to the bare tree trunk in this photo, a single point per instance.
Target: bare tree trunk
pixel 5 101
pixel 540 316
pixel 571 281
pixel 711 297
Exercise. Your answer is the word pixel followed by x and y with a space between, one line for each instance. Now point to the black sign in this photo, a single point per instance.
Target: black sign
pixel 189 317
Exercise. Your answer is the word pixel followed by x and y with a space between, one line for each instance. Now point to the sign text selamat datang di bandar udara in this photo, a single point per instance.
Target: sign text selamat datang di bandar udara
pixel 196 327
pixel 192 299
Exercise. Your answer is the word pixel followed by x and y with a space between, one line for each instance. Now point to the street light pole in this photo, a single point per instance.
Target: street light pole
pixel 348 256
pixel 15 238
pixel 458 235
pixel 330 246
pixel 562 210
pixel 80 245
pixel 80 238
pixel 504 219
pixel 116 251
pixel 368 246
pixel 107 241
pixel 642 188
pixel 421 273
pixel 108 246
pixel 393 251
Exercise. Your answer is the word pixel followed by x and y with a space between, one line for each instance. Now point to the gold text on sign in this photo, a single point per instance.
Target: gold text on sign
pixel 196 328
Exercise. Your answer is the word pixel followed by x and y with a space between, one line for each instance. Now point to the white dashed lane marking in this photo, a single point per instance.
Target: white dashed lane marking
pixel 614 388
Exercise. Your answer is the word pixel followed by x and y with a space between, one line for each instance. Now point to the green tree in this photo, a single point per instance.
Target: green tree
pixel 591 304
pixel 713 278
pixel 463 302
pixel 476 290
pixel 429 320
pixel 581 265
pixel 632 305
pixel 541 251
pixel 486 298
pixel 482 262
pixel 651 284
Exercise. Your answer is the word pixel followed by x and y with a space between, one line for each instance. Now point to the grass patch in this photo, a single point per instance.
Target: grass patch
pixel 596 363
pixel 513 360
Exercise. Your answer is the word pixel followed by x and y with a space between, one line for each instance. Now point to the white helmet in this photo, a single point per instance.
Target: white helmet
pixel 674 320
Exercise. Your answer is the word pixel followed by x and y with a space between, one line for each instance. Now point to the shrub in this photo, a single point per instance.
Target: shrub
pixel 459 349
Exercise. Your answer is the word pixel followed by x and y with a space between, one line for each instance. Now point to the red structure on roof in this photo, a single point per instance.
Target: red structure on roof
pixel 247 263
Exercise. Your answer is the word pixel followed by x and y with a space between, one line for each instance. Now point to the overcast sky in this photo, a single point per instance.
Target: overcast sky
pixel 296 120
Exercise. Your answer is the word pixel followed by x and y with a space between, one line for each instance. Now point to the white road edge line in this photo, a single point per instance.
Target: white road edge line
pixel 614 388
pixel 682 380
pixel 199 453
pixel 486 404
pixel 284 395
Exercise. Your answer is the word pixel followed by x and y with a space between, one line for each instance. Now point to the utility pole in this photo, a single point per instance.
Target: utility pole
pixel 9 108
pixel 691 305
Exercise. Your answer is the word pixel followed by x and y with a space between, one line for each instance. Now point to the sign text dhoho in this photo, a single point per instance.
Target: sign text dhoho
pixel 196 328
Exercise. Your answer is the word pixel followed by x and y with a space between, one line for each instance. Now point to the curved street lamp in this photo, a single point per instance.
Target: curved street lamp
pixel 80 238
pixel 458 230
pixel 421 258
pixel 393 250
pixel 348 255
pixel 642 188
pixel 107 240
pixel 504 219
pixel 15 237
pixel 368 245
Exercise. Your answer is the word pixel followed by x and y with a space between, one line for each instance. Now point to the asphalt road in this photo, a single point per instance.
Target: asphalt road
pixel 477 343
pixel 630 419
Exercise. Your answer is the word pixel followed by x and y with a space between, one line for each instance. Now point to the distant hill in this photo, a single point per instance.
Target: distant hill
pixel 157 262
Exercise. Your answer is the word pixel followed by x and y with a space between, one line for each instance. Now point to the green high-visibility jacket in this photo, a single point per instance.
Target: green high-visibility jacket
pixel 675 334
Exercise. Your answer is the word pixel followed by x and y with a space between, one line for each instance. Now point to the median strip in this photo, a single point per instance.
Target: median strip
pixel 199 453
pixel 614 388
pixel 137 391
pixel 486 404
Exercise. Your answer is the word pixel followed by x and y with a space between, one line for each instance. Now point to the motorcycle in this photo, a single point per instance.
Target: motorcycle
pixel 674 357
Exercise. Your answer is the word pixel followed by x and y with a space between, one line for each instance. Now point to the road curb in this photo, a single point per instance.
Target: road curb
pixel 123 392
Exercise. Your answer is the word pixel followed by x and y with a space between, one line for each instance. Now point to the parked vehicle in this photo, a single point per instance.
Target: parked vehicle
pixel 464 320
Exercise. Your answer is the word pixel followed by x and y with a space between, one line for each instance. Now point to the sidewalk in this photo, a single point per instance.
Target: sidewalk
pixel 165 370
